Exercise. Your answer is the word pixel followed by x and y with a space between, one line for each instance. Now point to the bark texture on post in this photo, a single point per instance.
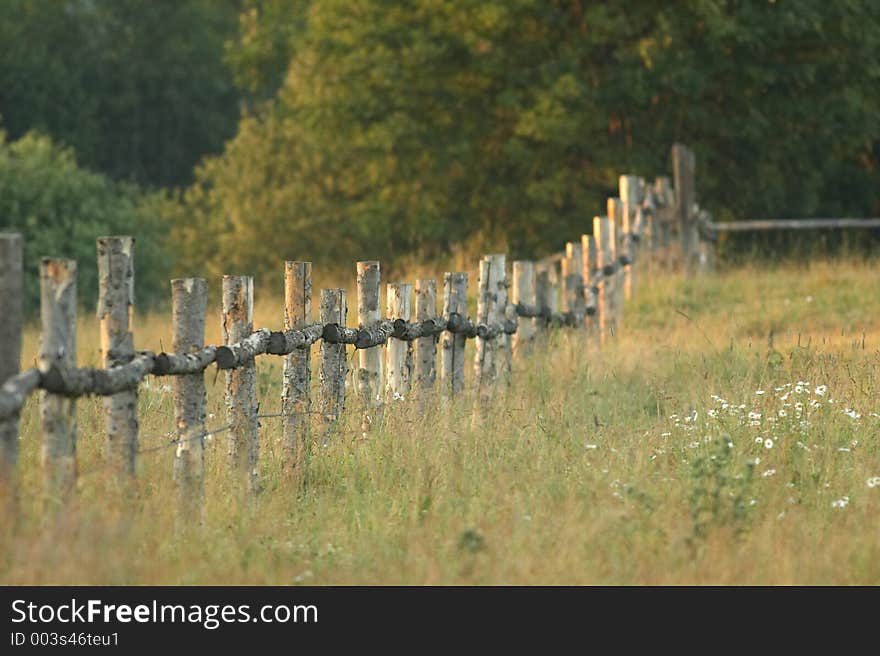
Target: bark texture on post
pixel 189 303
pixel 296 375
pixel 369 374
pixel 683 167
pixel 489 362
pixel 11 281
pixel 115 310
pixel 631 198
pixel 617 282
pixel 664 225
pixel 452 351
pixel 399 352
pixel 546 291
pixel 591 302
pixel 425 371
pixel 333 364
pixel 603 233
pixel 523 293
pixel 58 348
pixel 241 395
pixel 573 282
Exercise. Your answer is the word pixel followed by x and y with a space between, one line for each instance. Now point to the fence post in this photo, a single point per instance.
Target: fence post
pixel 399 352
pixel 523 291
pixel 630 198
pixel 547 291
pixel 683 168
pixel 369 375
pixel 615 216
pixel 426 347
pixel 296 375
pixel 603 233
pixel 58 348
pixel 333 363
pixel 573 282
pixel 452 351
pixel 10 338
pixel 115 309
pixel 590 259
pixel 488 365
pixel 189 303
pixel 241 399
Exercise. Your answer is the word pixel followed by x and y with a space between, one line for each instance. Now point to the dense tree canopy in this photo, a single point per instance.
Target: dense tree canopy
pixel 404 126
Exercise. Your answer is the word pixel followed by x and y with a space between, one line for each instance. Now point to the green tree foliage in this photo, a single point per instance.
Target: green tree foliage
pixel 139 88
pixel 408 126
pixel 61 209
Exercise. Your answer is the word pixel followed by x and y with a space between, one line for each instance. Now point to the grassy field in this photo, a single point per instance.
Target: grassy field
pixel 728 435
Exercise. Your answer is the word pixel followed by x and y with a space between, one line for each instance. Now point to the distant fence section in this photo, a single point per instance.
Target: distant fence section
pixel 583 288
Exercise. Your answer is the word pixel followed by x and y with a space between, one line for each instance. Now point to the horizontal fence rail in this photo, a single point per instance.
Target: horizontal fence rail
pixel 581 289
pixel 791 224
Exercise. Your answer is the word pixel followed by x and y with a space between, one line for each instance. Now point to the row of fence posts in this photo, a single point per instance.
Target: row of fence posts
pixel 642 218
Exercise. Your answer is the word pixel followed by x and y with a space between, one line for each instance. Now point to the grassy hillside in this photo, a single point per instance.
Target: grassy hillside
pixel 727 435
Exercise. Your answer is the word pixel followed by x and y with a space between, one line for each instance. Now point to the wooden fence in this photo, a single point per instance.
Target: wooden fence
pixel 583 289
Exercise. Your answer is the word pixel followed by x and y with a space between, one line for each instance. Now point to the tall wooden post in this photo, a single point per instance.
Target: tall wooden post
pixel 115 309
pixel 241 396
pixel 683 167
pixel 573 281
pixel 296 376
pixel 369 374
pixel 591 301
pixel 547 291
pixel 58 348
pixel 425 347
pixel 615 216
pixel 189 303
pixel 631 198
pixel 10 340
pixel 333 363
pixel 523 292
pixel 399 352
pixel 603 232
pixel 452 346
pixel 488 363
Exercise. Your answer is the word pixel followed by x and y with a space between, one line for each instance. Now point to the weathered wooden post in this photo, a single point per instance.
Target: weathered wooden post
pixel 241 396
pixel 573 282
pixel 369 374
pixel 452 345
pixel 615 216
pixel 664 196
pixel 547 291
pixel 683 167
pixel 334 366
pixel 399 352
pixel 603 233
pixel 591 301
pixel 189 303
pixel 297 372
pixel 115 311
pixel 488 363
pixel 58 348
pixel 630 198
pixel 524 293
pixel 11 280
pixel 426 347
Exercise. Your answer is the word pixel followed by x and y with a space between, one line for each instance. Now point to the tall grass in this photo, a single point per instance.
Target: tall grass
pixel 677 455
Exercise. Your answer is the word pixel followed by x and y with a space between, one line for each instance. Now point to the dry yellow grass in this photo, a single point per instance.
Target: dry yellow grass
pixel 591 468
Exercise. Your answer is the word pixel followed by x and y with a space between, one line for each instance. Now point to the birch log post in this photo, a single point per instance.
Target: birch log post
pixel 10 341
pixel 523 292
pixel 603 233
pixel 487 362
pixel 452 344
pixel 503 309
pixel 369 375
pixel 189 303
pixel 683 167
pixel 665 198
pixel 616 283
pixel 573 282
pixel 630 198
pixel 241 400
pixel 398 353
pixel 115 310
pixel 296 375
pixel 333 363
pixel 58 348
pixel 546 292
pixel 425 356
pixel 591 303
